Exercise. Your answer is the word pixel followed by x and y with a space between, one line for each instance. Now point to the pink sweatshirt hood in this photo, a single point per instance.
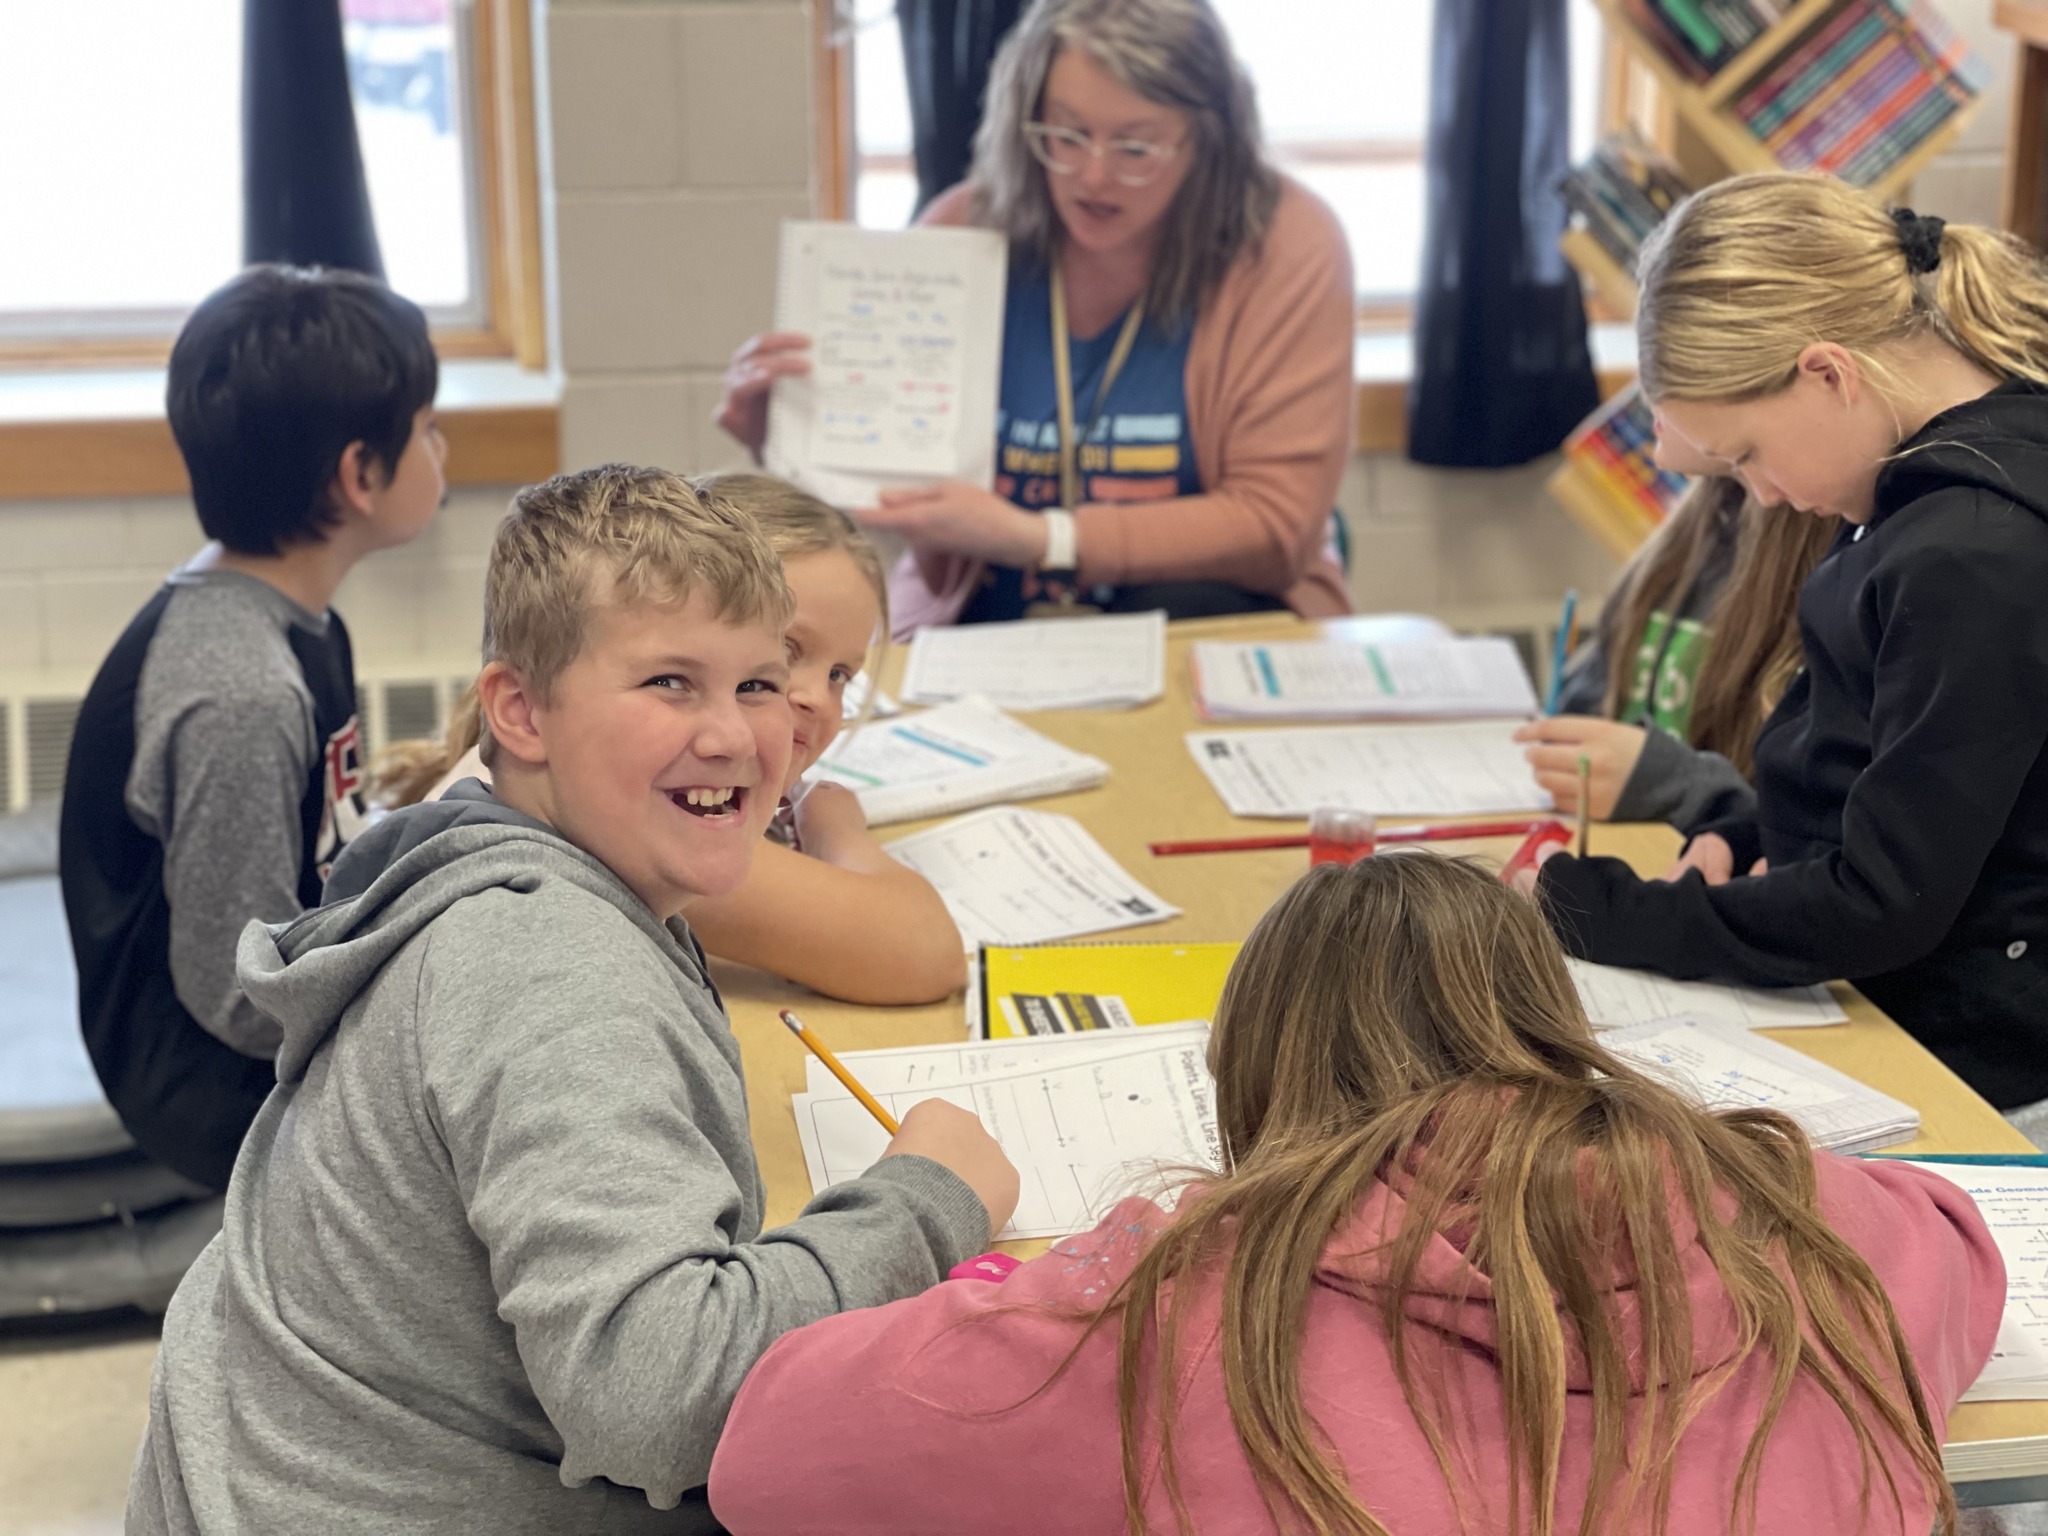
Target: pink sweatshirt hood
pixel 1451 1296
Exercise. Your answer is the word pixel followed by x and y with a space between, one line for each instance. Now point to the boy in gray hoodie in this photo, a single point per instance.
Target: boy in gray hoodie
pixel 492 1257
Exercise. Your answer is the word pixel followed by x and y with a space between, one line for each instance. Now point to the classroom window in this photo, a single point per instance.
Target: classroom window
pixel 139 101
pixel 1346 116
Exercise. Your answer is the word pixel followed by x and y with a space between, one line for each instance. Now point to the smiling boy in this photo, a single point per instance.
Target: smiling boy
pixel 493 1256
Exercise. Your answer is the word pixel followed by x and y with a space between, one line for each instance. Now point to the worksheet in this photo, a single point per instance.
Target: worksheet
pixel 1349 680
pixel 898 1069
pixel 1388 770
pixel 1614 996
pixel 906 345
pixel 1101 661
pixel 1725 1066
pixel 2014 1204
pixel 1081 1136
pixel 952 758
pixel 1012 876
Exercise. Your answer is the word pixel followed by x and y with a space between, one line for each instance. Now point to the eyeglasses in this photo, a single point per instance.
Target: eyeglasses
pixel 1067 151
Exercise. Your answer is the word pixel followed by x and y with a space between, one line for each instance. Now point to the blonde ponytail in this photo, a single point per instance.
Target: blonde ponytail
pixel 1747 273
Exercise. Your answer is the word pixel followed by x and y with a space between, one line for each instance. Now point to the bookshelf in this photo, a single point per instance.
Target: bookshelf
pixel 2026 163
pixel 1829 58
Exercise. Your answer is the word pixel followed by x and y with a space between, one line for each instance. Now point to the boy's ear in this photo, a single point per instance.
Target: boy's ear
pixel 509 708
pixel 357 479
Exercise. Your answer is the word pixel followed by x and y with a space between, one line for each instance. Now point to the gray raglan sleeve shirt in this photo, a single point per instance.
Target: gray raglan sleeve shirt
pixel 1681 785
pixel 597 1131
pixel 224 750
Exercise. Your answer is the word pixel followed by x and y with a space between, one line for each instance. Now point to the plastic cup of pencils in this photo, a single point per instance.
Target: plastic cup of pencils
pixel 1339 836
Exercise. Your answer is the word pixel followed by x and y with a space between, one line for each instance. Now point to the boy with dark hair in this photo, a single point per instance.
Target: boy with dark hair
pixel 215 769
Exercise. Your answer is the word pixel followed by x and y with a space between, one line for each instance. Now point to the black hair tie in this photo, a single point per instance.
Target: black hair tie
pixel 1920 238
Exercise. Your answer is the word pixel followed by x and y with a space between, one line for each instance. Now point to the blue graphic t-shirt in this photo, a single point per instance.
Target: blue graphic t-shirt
pixel 1140 449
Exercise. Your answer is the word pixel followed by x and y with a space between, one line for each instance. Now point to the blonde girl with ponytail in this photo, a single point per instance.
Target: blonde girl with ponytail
pixel 1889 373
pixel 1458 1270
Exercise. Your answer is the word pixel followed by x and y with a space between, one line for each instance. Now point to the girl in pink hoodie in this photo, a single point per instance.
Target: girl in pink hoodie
pixel 1463 1271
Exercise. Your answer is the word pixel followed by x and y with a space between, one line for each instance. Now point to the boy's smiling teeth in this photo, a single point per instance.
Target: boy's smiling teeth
pixel 718 795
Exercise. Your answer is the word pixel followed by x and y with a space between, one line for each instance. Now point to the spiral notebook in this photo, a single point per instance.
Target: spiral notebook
pixel 906 331
pixel 957 757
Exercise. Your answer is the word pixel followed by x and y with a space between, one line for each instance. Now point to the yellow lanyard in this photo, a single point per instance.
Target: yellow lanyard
pixel 1063 381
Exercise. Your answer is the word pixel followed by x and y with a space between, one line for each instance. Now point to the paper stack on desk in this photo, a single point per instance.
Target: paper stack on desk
pixel 2014 1204
pixel 1725 1066
pixel 953 758
pixel 1086 1119
pixel 1352 680
pixel 1465 769
pixel 1107 661
pixel 1613 996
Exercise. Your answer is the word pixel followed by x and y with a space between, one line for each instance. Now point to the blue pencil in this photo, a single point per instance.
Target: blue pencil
pixel 1560 651
pixel 1970 1159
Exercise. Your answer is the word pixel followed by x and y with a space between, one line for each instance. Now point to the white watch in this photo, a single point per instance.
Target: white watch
pixel 1062 544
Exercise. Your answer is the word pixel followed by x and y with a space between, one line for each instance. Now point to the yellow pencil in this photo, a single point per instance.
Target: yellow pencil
pixel 817 1048
pixel 1585 799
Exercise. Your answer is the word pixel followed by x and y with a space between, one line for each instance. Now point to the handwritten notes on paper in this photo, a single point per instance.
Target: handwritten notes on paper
pixel 906 344
pixel 1105 661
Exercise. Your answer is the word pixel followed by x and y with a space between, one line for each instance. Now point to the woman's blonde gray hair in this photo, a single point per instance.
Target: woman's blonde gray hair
pixel 1175 53
pixel 1747 273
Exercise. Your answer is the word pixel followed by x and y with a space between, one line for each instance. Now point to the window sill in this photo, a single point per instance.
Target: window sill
pixel 1384 361
pixel 104 434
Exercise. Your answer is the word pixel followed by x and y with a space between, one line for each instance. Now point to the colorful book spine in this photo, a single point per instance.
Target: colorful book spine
pixel 1761 105
pixel 1823 83
pixel 1848 104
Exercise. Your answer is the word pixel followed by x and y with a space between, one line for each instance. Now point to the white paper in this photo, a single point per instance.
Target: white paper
pixel 1013 876
pixel 1724 1066
pixel 1105 661
pixel 1358 680
pixel 952 758
pixel 2014 1204
pixel 906 347
pixel 903 1068
pixel 1613 996
pixel 1388 770
pixel 1081 1136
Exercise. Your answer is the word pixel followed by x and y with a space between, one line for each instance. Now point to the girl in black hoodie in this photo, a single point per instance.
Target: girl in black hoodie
pixel 1890 372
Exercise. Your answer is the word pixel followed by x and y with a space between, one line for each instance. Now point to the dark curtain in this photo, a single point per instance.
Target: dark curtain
pixel 304 198
pixel 947 46
pixel 1502 371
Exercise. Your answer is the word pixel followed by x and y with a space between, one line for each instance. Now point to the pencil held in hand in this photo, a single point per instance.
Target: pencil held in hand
pixel 832 1064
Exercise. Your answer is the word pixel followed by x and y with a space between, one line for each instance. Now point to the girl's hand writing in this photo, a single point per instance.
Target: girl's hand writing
pixel 1610 749
pixel 1710 854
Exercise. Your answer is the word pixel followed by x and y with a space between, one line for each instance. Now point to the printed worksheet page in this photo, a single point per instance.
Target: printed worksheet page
pixel 906 346
pixel 1082 1136
pixel 1331 679
pixel 1388 770
pixel 2014 1204
pixel 1613 996
pixel 896 1069
pixel 952 758
pixel 1105 661
pixel 1012 876
pixel 1725 1066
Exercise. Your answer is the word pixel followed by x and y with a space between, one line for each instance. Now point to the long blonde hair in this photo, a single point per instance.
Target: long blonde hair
pixel 795 523
pixel 1410 1011
pixel 1753 646
pixel 1176 53
pixel 1746 273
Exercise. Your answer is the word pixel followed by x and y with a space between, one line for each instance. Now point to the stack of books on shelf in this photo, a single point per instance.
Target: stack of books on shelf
pixel 1614 449
pixel 1866 87
pixel 1699 36
pixel 1621 193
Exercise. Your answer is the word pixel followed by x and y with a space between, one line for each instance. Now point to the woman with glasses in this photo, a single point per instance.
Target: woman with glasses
pixel 1175 405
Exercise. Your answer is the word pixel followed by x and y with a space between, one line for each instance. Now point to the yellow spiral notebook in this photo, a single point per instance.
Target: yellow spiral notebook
pixel 1058 989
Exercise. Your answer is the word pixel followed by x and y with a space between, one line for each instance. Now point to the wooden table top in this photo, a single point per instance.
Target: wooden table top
pixel 1156 792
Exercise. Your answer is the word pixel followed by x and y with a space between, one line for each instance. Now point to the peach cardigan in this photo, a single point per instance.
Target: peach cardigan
pixel 1269 407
